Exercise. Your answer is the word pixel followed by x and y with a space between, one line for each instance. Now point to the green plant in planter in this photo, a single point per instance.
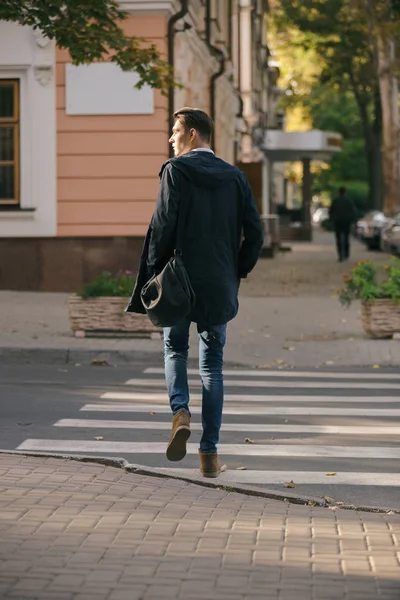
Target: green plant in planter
pixel 368 282
pixel 108 285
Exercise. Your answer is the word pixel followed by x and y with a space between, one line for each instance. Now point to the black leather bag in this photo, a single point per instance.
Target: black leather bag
pixel 168 297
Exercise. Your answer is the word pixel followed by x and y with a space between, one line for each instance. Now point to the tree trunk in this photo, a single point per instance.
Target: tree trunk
pixel 379 15
pixel 376 164
pixel 372 144
pixel 390 122
pixel 372 133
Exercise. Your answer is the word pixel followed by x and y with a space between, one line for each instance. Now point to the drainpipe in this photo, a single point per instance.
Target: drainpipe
pixel 221 58
pixel 171 38
pixel 213 80
pixel 239 59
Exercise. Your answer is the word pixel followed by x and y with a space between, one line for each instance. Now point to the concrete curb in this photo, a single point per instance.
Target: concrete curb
pixel 122 463
pixel 115 358
pixel 84 357
pixel 70 356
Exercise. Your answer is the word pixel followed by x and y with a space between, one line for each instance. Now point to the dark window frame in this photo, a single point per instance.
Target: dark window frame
pixel 14 122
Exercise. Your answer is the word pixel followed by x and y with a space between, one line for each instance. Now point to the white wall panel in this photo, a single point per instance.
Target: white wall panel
pixel 104 89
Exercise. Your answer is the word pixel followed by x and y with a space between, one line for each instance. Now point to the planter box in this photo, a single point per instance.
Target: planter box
pixel 381 319
pixel 106 316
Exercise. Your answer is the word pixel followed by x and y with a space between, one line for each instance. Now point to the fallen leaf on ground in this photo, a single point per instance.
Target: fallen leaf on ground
pixel 99 362
pixel 289 484
pixel 248 441
pixel 241 468
pixel 223 468
pixel 328 499
pixel 331 474
pixel 99 437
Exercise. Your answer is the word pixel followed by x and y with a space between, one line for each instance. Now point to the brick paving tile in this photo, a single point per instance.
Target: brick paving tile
pixel 120 536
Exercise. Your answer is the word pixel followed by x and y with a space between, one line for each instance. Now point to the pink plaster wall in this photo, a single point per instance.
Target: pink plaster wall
pixel 107 166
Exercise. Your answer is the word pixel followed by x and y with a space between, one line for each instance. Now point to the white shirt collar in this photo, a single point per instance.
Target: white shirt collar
pixel 203 150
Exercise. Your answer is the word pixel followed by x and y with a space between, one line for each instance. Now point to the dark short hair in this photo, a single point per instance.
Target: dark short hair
pixel 342 191
pixel 194 118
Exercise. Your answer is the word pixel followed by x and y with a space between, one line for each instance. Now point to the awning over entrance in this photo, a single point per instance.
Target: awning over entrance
pixel 283 146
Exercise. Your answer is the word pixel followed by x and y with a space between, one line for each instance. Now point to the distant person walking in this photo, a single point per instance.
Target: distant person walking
pixel 222 242
pixel 342 214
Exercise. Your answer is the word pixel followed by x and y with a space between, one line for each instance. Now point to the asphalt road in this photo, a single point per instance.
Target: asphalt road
pixel 278 427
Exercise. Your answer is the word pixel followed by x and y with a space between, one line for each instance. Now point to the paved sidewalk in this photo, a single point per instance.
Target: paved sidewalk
pixel 289 316
pixel 83 531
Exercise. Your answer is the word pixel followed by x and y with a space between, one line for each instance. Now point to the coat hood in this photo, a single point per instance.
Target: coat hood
pixel 204 169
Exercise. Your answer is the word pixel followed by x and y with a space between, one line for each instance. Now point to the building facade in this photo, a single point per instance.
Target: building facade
pixel 81 147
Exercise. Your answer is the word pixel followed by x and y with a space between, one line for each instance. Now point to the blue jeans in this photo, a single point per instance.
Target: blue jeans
pixel 211 346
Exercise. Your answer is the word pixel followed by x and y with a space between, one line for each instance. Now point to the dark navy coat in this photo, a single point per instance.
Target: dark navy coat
pixel 223 233
pixel 342 213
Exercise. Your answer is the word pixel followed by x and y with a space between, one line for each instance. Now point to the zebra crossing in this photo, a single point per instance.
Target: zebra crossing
pixel 311 428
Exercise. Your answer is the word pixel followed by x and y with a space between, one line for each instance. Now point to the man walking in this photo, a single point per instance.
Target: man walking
pixel 223 239
pixel 342 213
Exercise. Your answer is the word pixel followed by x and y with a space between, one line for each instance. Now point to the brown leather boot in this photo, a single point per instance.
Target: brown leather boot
pixel 176 449
pixel 209 466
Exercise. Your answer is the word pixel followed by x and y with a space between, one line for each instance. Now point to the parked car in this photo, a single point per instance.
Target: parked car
pixel 321 214
pixel 390 235
pixel 369 229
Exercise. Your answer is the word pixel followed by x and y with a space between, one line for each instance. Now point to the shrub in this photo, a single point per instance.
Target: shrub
pixel 368 281
pixel 107 285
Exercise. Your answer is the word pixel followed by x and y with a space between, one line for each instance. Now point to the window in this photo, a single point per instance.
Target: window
pixel 9 142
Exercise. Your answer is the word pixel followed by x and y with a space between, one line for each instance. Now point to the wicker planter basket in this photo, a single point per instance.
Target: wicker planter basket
pixel 106 316
pixel 381 319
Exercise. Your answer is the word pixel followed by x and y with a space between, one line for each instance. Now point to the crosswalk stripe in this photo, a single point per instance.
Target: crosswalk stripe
pixel 298 477
pixel 289 374
pixel 252 410
pixel 243 427
pixel 162 396
pixel 291 450
pixel 276 384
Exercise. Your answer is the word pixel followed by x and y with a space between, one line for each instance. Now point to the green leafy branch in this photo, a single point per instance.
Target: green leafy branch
pixel 91 31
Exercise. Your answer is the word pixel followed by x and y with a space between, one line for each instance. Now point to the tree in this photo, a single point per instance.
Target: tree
pixel 384 22
pixel 342 44
pixel 91 31
pixel 334 109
